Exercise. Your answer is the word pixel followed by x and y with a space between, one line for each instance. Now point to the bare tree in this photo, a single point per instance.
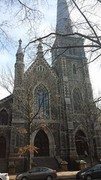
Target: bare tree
pixel 28 12
pixel 7 80
pixel 92 44
pixel 22 14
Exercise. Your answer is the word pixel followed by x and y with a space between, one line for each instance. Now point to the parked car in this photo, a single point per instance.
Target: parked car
pixel 90 173
pixel 38 173
pixel 4 176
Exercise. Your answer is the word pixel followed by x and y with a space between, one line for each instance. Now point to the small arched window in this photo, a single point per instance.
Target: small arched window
pixel 42 102
pixel 40 68
pixel 77 100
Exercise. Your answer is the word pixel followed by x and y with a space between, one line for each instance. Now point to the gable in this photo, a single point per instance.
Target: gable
pixel 40 73
pixel 40 66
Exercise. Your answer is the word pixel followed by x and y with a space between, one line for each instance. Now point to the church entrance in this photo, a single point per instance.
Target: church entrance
pixel 41 141
pixel 81 143
pixel 2 147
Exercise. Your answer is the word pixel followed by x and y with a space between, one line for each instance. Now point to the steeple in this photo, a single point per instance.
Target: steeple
pixel 63 19
pixel 64 26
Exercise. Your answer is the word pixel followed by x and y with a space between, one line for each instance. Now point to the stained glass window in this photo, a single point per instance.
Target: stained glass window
pixel 42 101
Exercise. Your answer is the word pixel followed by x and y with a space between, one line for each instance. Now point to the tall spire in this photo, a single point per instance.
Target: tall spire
pixel 63 19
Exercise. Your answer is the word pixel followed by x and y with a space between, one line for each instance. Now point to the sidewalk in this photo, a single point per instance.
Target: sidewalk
pixel 66 175
pixel 60 175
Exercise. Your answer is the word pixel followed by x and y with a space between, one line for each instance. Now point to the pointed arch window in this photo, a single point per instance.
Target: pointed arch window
pixel 42 102
pixel 77 100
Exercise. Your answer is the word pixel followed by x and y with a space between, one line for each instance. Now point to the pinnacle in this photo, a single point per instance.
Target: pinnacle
pixel 40 49
pixel 19 51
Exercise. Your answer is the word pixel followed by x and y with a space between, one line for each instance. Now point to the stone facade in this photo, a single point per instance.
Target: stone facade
pixel 57 101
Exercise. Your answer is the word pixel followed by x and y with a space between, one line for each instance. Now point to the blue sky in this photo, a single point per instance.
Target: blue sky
pixel 46 25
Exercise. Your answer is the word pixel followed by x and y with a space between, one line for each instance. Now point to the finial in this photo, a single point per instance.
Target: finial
pixel 40 48
pixel 20 42
pixel 19 51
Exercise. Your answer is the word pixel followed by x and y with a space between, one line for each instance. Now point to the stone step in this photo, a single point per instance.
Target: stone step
pixel 50 162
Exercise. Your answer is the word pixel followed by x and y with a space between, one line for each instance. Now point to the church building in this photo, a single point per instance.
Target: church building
pixel 53 104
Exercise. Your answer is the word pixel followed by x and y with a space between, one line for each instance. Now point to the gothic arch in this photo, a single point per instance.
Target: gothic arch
pixel 3 117
pixel 81 142
pixel 39 84
pixel 41 141
pixel 50 139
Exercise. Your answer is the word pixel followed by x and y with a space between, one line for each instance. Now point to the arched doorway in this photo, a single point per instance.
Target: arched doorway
pixel 2 147
pixel 81 143
pixel 41 141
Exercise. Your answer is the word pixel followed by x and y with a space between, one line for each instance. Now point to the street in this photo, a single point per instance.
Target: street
pixel 66 175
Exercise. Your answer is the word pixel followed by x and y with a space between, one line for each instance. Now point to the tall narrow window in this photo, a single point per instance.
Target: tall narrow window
pixel 42 102
pixel 17 140
pixel 77 100
pixel 74 69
